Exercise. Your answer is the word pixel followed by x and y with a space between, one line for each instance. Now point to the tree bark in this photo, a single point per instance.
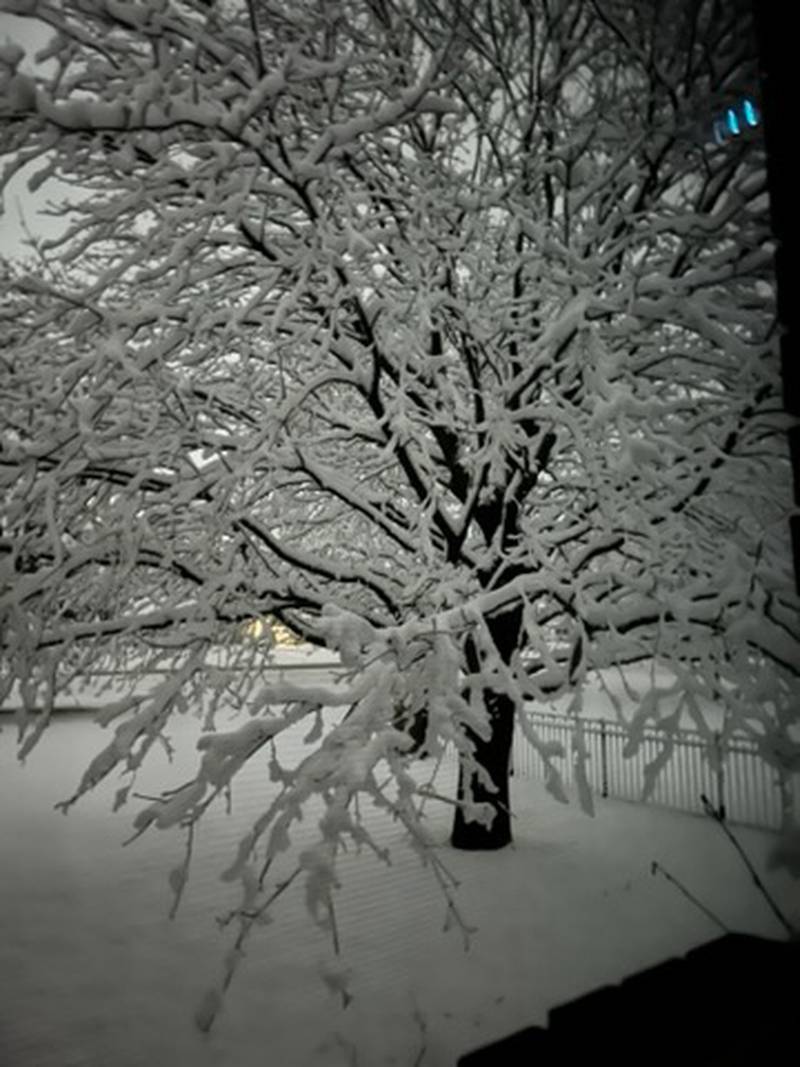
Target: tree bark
pixel 494 755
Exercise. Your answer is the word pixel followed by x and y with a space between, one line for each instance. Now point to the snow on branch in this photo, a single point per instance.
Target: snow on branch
pixel 447 348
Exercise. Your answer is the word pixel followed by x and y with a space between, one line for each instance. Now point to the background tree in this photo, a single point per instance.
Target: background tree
pixel 439 332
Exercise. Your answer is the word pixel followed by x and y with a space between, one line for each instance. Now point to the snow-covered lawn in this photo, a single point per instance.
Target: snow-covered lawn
pixel 94 974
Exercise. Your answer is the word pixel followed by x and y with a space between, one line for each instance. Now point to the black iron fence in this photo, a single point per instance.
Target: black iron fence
pixel 734 775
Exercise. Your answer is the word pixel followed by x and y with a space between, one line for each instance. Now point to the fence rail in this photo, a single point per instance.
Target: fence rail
pixel 734 776
pixel 274 667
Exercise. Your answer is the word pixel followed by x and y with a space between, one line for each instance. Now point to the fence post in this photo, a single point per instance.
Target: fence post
pixel 603 760
pixel 720 775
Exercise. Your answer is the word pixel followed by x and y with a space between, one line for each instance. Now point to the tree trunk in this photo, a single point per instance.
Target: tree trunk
pixel 494 755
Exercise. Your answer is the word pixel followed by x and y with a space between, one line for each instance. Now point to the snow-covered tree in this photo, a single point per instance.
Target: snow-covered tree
pixel 439 331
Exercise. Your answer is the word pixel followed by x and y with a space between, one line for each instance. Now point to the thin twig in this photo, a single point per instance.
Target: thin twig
pixel 337 948
pixel 719 818
pixel 183 872
pixel 259 55
pixel 419 1019
pixel 656 868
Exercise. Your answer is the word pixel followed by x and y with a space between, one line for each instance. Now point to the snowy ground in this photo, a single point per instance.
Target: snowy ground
pixel 94 974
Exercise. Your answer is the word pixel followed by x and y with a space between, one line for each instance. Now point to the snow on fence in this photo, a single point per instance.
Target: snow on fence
pixel 749 790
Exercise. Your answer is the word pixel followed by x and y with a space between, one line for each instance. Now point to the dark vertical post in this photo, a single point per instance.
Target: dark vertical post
pixel 720 774
pixel 777 94
pixel 603 760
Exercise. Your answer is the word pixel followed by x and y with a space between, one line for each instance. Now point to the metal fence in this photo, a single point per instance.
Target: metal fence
pixel 735 777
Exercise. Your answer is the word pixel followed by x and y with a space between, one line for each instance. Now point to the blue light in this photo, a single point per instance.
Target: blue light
pixel 736 121
pixel 750 113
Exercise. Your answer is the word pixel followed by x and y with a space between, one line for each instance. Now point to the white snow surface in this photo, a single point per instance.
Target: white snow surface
pixel 94 972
